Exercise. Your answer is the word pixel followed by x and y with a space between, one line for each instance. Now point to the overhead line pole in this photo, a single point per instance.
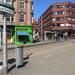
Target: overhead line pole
pixel 5 65
pixel 41 30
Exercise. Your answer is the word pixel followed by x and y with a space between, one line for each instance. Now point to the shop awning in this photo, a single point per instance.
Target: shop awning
pixel 22 33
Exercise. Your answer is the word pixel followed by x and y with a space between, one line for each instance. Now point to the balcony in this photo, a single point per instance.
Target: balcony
pixel 62 28
pixel 63 21
pixel 70 22
pixel 60 15
pixel 57 22
pixel 64 9
pixel 73 28
pixel 8 23
pixel 57 9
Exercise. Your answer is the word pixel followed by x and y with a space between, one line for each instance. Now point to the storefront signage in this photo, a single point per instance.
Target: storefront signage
pixel 22 33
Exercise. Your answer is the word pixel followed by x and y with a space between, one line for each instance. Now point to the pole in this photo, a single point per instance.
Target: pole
pixel 45 36
pixel 5 66
pixel 41 31
pixel 4 45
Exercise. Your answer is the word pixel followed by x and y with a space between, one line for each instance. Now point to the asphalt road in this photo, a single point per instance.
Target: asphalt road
pixel 49 59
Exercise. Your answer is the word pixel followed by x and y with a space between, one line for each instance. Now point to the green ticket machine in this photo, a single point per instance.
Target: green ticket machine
pixel 23 35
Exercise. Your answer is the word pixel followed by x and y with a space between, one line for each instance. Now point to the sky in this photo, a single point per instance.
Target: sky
pixel 40 6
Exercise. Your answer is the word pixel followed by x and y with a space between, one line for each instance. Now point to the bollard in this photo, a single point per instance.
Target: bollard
pixel 19 56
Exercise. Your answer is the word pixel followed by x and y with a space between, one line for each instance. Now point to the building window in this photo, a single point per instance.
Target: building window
pixel 68 12
pixel 58 19
pixel 12 19
pixel 21 17
pixel 59 12
pixel 53 19
pixel 22 0
pixel 8 18
pixel 67 6
pixel 60 6
pixel 73 7
pixel 55 13
pixel 69 18
pixel 53 25
pixel 9 31
pixel 73 19
pixel 26 1
pixel 62 19
pixel 8 1
pixel 73 13
pixel 21 4
pixel 58 25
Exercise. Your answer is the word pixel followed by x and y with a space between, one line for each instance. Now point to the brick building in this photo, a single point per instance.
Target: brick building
pixel 35 30
pixel 24 12
pixel 23 17
pixel 58 17
pixel 35 25
pixel 10 23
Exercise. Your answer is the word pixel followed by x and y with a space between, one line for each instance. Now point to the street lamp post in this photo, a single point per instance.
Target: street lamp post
pixel 41 30
pixel 44 35
pixel 4 10
pixel 5 65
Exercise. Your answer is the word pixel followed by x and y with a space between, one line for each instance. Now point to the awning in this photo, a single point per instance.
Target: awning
pixel 7 6
pixel 22 33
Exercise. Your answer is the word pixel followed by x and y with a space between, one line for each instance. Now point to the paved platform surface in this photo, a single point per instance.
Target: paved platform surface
pixel 11 46
pixel 49 59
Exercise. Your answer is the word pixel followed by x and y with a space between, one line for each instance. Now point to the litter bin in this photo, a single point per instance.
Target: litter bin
pixel 19 56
